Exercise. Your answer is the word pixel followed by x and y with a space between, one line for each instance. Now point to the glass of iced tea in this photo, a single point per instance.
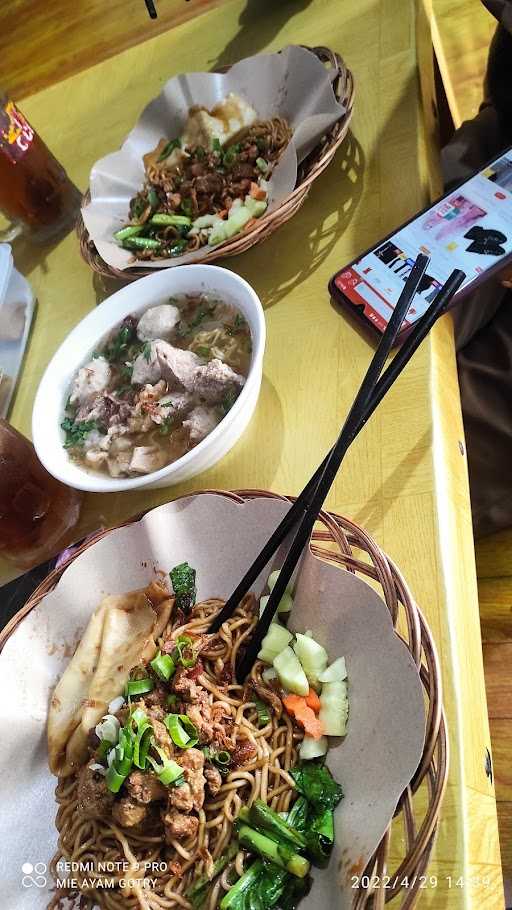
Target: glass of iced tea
pixel 36 511
pixel 36 195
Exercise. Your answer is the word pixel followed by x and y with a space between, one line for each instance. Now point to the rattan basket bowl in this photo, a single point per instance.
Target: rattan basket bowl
pixel 414 827
pixel 311 168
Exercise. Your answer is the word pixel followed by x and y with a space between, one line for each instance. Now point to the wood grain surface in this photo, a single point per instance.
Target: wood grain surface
pixel 461 33
pixel 42 43
pixel 405 479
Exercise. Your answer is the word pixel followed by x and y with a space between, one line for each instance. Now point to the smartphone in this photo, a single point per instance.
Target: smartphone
pixel 470 228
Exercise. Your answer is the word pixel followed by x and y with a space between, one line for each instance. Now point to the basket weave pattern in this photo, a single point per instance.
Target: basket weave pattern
pixel 309 170
pixel 345 544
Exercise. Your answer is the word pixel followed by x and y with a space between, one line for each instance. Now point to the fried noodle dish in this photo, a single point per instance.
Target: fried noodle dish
pixel 188 789
pixel 206 185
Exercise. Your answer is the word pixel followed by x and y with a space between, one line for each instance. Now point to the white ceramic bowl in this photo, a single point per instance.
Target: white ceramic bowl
pixel 81 342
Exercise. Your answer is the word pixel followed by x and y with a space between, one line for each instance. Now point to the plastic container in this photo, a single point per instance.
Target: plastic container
pixel 16 311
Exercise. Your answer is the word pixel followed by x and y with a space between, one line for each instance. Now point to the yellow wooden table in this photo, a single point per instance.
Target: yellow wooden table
pixel 405 479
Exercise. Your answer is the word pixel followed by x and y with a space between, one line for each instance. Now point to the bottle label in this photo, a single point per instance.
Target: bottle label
pixel 16 134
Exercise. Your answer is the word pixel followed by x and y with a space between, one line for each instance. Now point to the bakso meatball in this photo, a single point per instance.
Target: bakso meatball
pixel 146 367
pixel 90 381
pixel 200 422
pixel 178 367
pixel 214 379
pixel 158 322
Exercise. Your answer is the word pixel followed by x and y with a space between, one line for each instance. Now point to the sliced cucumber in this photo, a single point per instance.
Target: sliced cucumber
pixel 336 672
pixel 312 748
pixel 272 578
pixel 218 234
pixel 275 640
pixel 284 606
pixel 334 708
pixel 290 672
pixel 312 656
pixel 237 221
pixel 255 206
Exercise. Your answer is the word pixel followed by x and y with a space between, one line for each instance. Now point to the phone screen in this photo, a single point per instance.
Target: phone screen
pixel 470 229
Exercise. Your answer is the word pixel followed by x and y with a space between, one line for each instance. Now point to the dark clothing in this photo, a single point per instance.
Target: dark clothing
pixel 483 323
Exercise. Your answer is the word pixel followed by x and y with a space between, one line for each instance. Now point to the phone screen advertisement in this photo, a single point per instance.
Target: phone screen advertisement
pixel 469 229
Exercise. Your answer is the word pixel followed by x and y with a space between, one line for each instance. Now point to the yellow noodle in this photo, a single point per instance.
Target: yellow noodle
pixel 264 776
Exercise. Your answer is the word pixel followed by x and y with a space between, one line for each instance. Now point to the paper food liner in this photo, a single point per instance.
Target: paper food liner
pixel 374 762
pixel 292 84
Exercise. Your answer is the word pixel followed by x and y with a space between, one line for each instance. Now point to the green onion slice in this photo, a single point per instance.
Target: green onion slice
pixel 169 772
pixel 163 665
pixel 181 730
pixel 171 699
pixel 114 780
pixel 139 686
pixel 184 643
pixel 263 714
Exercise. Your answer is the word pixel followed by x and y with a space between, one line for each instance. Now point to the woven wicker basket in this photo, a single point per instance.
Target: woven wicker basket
pixel 341 542
pixel 309 170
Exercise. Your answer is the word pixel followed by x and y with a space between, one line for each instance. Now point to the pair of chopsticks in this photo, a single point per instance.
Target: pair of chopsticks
pixel 304 511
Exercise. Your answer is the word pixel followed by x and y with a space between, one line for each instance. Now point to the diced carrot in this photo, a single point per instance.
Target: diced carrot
pixel 304 715
pixel 223 213
pixel 257 192
pixel 313 701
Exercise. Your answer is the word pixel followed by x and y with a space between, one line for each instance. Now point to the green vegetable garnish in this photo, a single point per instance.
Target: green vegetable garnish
pixel 163 665
pixel 197 892
pixel 316 783
pixel 177 248
pixel 263 886
pixel 131 230
pixel 166 426
pixel 267 821
pixel 169 772
pixel 263 714
pixel 228 401
pixel 123 760
pixel 146 351
pixel 203 351
pixel 221 758
pixel 230 155
pixel 262 165
pixel 216 146
pixel 181 730
pixel 141 243
pixel 153 199
pixel 186 207
pixel 184 644
pixel 142 741
pixel 183 580
pixel 162 218
pixel 171 700
pixel 117 348
pixel 76 431
pixel 282 854
pixel 167 149
pixel 138 686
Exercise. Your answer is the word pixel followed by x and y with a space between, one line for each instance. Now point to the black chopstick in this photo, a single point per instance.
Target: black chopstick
pixel 410 345
pixel 412 342
pixel 302 501
pixel 356 417
pixel 150 6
